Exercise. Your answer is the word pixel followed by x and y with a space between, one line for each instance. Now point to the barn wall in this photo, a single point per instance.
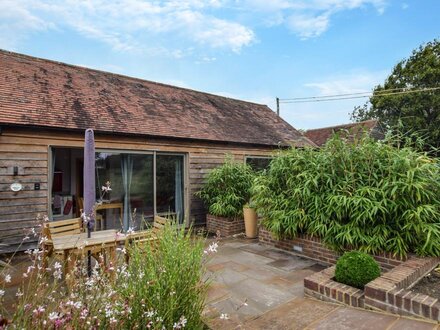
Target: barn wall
pixel 29 150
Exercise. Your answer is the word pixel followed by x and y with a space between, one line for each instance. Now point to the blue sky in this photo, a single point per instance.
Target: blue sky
pixel 250 49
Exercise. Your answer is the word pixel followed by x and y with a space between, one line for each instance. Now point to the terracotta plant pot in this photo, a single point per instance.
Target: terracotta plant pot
pixel 250 222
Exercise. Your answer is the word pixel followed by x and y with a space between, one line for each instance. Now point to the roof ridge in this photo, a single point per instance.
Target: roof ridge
pixel 343 125
pixel 125 76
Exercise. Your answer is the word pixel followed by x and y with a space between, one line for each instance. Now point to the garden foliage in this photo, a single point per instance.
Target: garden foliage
pixel 366 195
pixel 167 277
pixel 227 189
pixel 356 269
pixel 162 287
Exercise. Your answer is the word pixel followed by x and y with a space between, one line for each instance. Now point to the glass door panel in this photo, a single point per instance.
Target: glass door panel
pixel 130 202
pixel 170 186
pixel 108 168
pixel 141 192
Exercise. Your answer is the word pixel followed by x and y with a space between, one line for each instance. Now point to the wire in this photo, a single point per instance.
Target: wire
pixel 337 95
pixel 337 98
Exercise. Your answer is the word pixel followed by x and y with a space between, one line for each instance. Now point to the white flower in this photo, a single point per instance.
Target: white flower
pixel 212 248
pixel 8 278
pixel 2 293
pixel 150 313
pixel 224 316
pixel 19 293
pixel 43 239
pixel 53 316
pixel 57 265
pixel 57 274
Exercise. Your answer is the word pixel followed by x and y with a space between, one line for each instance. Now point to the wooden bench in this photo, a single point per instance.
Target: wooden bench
pixel 149 236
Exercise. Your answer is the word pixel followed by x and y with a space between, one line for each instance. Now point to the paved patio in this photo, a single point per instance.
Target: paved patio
pixel 258 287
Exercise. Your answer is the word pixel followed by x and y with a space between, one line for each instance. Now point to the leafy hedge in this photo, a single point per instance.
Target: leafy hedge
pixel 227 189
pixel 367 195
pixel 356 269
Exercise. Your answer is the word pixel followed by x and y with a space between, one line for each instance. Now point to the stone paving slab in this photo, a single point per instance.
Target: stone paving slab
pixel 295 314
pixel 258 287
pixel 410 324
pixel 346 318
pixel 265 296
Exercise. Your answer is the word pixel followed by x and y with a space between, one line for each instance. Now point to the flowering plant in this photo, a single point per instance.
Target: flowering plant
pixel 162 287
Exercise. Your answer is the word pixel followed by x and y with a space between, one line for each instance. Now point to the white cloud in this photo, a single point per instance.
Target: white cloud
pixel 308 18
pixel 354 82
pixel 129 25
pixel 170 27
pixel 308 26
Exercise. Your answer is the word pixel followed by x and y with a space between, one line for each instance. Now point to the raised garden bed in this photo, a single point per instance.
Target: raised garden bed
pixel 399 291
pixel 322 286
pixel 313 248
pixel 224 226
pixel 429 285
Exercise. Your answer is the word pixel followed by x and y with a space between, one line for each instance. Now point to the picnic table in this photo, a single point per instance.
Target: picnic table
pixel 72 246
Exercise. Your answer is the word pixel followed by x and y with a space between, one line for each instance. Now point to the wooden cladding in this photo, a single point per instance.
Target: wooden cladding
pixel 29 151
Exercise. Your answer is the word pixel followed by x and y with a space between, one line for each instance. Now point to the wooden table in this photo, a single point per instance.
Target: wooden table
pixel 108 206
pixel 73 246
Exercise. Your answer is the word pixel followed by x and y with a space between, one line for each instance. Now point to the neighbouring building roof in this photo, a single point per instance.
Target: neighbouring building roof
pixel 44 93
pixel 320 135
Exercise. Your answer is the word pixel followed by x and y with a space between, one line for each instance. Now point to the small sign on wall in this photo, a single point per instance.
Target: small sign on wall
pixel 16 186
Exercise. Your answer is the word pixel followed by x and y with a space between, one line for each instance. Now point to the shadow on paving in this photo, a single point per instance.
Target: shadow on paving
pixel 259 287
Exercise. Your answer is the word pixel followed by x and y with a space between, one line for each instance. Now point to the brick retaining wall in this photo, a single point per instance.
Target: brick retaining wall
pixel 313 248
pixel 391 292
pixel 320 285
pixel 225 226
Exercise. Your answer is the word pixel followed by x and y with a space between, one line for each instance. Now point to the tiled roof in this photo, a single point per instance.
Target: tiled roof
pixel 45 93
pixel 321 135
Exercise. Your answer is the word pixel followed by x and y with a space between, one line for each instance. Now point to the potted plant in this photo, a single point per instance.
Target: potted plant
pixel 225 192
pixel 250 220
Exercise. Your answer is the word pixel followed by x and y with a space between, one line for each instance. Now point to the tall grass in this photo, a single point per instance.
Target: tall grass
pixel 367 195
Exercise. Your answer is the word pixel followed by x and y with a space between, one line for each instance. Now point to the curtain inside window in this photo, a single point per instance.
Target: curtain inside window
pixel 127 173
pixel 178 191
pixel 52 174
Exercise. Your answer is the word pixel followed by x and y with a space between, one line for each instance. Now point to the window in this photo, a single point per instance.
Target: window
pixel 258 163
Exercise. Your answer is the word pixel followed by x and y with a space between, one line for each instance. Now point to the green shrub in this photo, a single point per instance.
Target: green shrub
pixel 356 269
pixel 366 195
pixel 227 189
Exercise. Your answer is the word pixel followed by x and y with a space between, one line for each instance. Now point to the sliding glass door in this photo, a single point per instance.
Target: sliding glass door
pixel 142 185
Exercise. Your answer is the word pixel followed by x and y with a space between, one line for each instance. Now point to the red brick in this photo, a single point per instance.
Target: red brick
pixel 407 301
pixel 309 284
pixel 435 311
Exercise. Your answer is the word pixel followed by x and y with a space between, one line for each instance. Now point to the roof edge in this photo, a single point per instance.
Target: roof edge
pixel 60 129
pixel 344 125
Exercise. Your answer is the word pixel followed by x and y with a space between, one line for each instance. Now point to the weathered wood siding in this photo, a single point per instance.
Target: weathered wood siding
pixel 29 150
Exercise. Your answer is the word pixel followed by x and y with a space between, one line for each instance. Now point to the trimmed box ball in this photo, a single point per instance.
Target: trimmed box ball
pixel 356 269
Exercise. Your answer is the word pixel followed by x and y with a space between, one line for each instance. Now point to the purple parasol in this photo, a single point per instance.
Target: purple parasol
pixel 89 179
